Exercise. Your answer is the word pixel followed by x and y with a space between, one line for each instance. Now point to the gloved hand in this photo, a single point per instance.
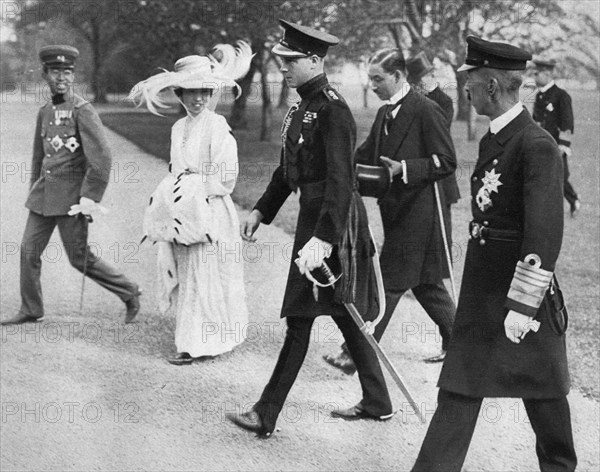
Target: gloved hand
pixel 312 254
pixel 86 206
pixel 517 325
pixel 564 149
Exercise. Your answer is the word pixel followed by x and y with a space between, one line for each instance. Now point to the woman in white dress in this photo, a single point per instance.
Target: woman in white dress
pixel 203 281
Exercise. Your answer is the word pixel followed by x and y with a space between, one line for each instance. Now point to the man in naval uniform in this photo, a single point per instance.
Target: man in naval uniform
pixel 318 137
pixel 508 338
pixel 71 166
pixel 553 111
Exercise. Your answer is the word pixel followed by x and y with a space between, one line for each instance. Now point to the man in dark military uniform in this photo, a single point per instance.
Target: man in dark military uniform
pixel 71 166
pixel 318 135
pixel 508 288
pixel 411 136
pixel 552 110
pixel 422 79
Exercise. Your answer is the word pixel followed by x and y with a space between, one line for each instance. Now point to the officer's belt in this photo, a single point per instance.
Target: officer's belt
pixel 482 232
pixel 312 189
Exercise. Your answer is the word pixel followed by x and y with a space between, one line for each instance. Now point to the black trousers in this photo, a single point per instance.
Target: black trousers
pixel 376 399
pixel 569 191
pixel 449 435
pixel 73 232
pixel 436 301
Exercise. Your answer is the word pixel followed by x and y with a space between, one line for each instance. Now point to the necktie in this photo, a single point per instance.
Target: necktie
pixel 388 116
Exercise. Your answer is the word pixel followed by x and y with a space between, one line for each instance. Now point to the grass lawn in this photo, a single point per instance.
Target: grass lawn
pixel 578 267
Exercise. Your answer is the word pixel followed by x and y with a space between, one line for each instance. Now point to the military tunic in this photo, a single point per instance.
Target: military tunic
pixel 516 188
pixel 71 158
pixel 553 111
pixel 319 134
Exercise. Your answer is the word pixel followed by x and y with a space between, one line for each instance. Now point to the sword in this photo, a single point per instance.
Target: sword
pixel 367 330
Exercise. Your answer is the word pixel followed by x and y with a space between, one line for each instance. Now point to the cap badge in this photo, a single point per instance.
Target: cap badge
pixel 61 58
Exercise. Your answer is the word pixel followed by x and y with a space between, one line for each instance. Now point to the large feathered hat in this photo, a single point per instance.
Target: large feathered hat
pixel 215 71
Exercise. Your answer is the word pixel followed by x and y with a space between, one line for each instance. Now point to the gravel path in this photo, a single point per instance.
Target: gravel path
pixel 85 392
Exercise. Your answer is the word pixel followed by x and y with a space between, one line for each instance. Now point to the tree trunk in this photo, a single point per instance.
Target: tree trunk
pixel 464 105
pixel 97 89
pixel 284 98
pixel 267 103
pixel 238 119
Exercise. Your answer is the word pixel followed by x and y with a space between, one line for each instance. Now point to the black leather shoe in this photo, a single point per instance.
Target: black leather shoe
pixel 439 358
pixel 357 412
pixel 181 358
pixel 133 307
pixel 342 361
pixel 20 318
pixel 249 421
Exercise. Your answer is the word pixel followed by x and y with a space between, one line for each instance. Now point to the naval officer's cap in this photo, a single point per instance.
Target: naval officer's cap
pixel 59 55
pixel 303 41
pixel 494 55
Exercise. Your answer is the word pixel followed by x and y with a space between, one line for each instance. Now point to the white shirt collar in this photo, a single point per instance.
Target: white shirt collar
pixel 497 124
pixel 396 98
pixel 546 87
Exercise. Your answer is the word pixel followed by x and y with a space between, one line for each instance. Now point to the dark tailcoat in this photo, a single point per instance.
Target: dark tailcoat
pixel 413 250
pixel 448 185
pixel 71 158
pixel 317 160
pixel 553 111
pixel 523 164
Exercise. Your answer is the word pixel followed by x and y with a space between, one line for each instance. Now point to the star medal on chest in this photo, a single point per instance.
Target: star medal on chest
pixel 72 144
pixel 549 107
pixel 56 143
pixel 491 182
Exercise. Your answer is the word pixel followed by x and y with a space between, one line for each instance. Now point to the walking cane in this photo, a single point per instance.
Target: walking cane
pixel 445 239
pixel 88 219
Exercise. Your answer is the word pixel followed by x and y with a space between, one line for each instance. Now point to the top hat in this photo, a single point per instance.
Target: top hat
pixel 303 41
pixel 494 55
pixel 60 55
pixel 417 67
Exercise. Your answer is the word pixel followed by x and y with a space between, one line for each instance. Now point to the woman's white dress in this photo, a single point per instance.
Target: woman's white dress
pixel 205 281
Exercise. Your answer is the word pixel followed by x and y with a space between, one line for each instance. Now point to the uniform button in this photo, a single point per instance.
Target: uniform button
pixel 474 179
pixel 47 172
pixel 51 123
pixel 482 242
pixel 495 162
pixel 47 155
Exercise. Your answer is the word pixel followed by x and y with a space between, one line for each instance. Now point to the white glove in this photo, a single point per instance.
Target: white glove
pixel 565 150
pixel 87 206
pixel 312 254
pixel 517 325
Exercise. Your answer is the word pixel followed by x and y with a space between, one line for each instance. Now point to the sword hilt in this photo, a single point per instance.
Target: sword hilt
pixel 328 273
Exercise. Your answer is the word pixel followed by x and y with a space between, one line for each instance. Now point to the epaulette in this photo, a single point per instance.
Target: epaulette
pixel 331 94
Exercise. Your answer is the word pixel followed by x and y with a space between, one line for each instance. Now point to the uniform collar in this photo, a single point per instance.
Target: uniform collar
pixel 547 87
pixel 314 85
pixel 497 124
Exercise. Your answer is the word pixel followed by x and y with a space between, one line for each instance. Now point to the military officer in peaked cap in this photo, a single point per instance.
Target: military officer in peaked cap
pixel 71 165
pixel 509 332
pixel 553 111
pixel 318 137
